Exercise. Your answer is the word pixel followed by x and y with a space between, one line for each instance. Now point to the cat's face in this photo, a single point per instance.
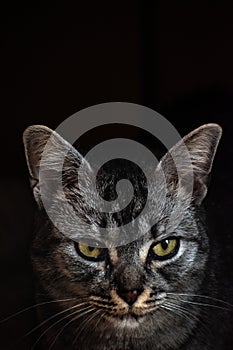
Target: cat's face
pixel 132 296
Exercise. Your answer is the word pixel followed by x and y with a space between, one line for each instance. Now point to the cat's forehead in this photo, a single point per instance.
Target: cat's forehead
pixel 160 221
pixel 152 210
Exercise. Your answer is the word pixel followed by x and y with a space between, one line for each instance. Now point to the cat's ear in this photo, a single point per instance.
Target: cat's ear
pixel 35 139
pixel 201 144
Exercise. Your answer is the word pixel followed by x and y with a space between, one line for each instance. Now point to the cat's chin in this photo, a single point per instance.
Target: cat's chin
pixel 126 321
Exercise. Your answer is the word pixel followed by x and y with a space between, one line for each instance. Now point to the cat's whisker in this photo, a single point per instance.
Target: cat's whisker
pixel 181 311
pixel 174 310
pixel 100 319
pixel 51 318
pixel 199 303
pixel 33 307
pixel 85 323
pixel 80 330
pixel 205 305
pixel 184 313
pixel 67 324
pixel 196 317
pixel 60 320
pixel 202 296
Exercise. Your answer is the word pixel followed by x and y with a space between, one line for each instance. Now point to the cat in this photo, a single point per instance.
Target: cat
pixel 147 294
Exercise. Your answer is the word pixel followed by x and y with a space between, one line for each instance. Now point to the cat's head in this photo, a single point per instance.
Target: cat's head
pixel 137 293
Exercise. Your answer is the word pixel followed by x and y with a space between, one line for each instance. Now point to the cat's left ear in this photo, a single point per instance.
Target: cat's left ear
pixel 201 144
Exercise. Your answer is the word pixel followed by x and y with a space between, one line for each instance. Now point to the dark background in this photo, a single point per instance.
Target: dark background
pixel 174 57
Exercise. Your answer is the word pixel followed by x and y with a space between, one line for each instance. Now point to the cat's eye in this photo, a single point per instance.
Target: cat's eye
pixel 165 249
pixel 89 253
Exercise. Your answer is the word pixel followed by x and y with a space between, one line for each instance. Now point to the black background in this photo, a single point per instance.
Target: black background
pixel 174 57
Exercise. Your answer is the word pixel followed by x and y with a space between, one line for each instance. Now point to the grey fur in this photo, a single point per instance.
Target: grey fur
pixel 166 314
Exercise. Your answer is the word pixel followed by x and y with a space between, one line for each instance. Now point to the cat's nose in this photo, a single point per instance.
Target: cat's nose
pixel 129 296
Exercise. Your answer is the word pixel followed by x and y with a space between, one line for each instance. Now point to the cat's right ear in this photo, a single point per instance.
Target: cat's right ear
pixel 35 139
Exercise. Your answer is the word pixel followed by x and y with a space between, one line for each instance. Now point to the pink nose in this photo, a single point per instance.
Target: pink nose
pixel 129 296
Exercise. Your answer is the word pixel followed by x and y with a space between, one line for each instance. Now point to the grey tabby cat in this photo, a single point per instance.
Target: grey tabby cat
pixel 149 294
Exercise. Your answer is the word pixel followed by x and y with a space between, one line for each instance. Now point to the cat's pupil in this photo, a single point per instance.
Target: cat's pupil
pixel 91 249
pixel 165 244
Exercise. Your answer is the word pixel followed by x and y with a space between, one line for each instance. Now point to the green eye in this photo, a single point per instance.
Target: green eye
pixel 166 249
pixel 90 253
